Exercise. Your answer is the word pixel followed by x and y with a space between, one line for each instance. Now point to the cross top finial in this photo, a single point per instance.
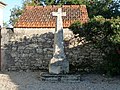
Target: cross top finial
pixel 59 13
pixel 59 10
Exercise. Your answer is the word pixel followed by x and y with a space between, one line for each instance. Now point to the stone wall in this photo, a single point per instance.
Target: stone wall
pixel 35 52
pixel 83 55
pixel 29 53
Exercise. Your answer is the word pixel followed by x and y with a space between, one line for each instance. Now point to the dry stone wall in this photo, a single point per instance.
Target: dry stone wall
pixel 29 53
pixel 35 52
pixel 83 55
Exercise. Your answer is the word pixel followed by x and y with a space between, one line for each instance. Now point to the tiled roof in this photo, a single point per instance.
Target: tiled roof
pixel 41 17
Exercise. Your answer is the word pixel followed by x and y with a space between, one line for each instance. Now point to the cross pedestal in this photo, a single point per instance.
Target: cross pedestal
pixel 59 64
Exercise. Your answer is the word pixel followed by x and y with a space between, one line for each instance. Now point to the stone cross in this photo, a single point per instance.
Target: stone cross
pixel 59 64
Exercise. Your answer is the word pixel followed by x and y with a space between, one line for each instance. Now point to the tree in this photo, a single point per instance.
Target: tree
pixel 105 8
pixel 15 14
pixel 17 11
pixel 115 8
pixel 31 3
pixel 105 35
pixel 49 2
pixel 64 2
pixel 5 24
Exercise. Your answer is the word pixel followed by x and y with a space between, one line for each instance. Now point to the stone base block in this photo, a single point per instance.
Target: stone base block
pixel 60 77
pixel 59 66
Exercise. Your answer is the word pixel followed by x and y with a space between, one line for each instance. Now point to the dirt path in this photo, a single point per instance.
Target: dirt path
pixel 30 81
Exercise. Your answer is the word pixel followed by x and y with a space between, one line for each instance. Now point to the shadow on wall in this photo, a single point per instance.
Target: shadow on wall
pixel 29 53
pixel 35 52
pixel 82 55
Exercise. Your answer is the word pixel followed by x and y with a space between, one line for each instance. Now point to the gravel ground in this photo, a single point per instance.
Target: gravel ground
pixel 30 81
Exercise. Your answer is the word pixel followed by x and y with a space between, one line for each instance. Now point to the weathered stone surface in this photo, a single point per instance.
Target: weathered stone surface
pixel 18 59
pixel 60 78
pixel 59 63
pixel 22 55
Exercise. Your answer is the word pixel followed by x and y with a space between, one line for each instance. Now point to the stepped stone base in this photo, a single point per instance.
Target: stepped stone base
pixel 60 77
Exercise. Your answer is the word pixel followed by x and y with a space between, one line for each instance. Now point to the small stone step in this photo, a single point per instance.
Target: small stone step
pixel 60 77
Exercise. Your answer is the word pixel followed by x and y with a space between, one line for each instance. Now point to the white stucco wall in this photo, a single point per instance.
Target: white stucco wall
pixel 5 36
pixel 30 31
pixel 1 14
pixel 1 17
pixel 21 32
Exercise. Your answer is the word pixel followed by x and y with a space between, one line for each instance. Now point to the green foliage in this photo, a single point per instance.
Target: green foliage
pixel 74 2
pixel 15 14
pixel 75 27
pixel 5 24
pixel 115 8
pixel 111 64
pixel 17 11
pixel 64 2
pixel 105 8
pixel 115 25
pixel 31 3
pixel 104 34
pixel 49 2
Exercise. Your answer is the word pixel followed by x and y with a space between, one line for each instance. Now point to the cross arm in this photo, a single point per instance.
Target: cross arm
pixel 54 14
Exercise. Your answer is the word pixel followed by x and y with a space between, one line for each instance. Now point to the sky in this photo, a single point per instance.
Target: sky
pixel 10 5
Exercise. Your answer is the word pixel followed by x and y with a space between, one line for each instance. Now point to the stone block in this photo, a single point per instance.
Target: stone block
pixel 26 51
pixel 39 50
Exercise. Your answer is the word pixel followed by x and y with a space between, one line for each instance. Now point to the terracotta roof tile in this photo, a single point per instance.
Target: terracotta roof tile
pixel 41 17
